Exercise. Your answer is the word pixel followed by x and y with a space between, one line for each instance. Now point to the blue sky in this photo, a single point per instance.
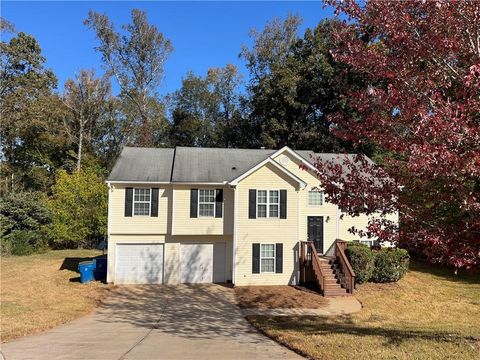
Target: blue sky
pixel 204 34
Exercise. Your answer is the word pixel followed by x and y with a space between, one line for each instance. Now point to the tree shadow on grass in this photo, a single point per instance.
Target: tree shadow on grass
pixel 444 272
pixel 314 326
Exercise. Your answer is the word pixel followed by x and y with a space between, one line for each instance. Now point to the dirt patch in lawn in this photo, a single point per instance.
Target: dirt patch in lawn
pixel 278 297
pixel 43 290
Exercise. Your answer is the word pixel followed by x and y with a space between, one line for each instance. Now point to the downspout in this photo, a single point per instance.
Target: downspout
pixel 109 249
pixel 337 230
pixel 234 245
pixel 298 237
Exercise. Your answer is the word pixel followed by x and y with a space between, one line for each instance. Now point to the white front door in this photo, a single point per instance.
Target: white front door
pixel 202 263
pixel 139 264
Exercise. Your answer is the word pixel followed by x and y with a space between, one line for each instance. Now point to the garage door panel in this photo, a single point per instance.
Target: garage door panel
pixel 202 263
pixel 139 264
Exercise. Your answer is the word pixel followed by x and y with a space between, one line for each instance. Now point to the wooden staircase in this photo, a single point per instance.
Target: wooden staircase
pixel 333 274
pixel 333 278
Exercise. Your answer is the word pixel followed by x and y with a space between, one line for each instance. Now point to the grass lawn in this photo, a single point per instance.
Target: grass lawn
pixel 430 314
pixel 43 290
pixel 278 297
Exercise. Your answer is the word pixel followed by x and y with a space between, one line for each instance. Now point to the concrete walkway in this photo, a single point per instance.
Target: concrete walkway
pixel 155 322
pixel 336 306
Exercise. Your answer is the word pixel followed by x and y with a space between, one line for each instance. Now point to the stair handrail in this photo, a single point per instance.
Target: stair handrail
pixel 317 269
pixel 345 266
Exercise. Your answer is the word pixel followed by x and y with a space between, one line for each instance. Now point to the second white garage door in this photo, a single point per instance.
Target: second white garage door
pixel 139 264
pixel 202 263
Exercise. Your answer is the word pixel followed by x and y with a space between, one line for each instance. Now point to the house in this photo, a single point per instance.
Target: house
pixel 196 215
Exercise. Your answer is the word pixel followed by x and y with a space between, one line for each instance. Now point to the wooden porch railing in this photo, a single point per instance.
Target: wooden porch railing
pixel 345 266
pixel 309 258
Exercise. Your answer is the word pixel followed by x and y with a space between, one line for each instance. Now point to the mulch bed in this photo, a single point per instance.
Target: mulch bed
pixel 278 297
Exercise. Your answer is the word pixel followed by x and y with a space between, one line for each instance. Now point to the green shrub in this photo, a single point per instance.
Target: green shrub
pixel 362 260
pixel 21 242
pixel 390 265
pixel 22 217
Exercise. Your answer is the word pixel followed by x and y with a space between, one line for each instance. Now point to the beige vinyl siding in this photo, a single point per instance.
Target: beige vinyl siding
pixel 185 225
pixel 172 254
pixel 359 222
pixel 113 240
pixel 266 231
pixel 121 224
pixel 327 210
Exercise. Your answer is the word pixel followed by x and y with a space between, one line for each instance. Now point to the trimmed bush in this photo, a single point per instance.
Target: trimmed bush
pixel 390 265
pixel 362 260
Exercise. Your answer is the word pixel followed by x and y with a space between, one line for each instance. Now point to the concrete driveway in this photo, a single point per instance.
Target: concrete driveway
pixel 155 322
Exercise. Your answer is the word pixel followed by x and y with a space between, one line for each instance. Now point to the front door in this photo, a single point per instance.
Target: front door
pixel 315 232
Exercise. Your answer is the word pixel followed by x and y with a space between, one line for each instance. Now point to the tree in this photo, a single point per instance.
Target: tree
pixel 206 110
pixel 294 86
pixel 22 214
pixel 31 142
pixel 225 83
pixel 422 106
pixel 136 59
pixel 86 98
pixel 79 208
pixel 194 102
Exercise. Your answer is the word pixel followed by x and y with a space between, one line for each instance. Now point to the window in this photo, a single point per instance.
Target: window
pixel 206 202
pixel 267 258
pixel 268 203
pixel 368 242
pixel 315 198
pixel 141 202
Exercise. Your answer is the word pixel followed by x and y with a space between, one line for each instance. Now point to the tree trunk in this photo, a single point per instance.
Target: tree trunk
pixel 80 145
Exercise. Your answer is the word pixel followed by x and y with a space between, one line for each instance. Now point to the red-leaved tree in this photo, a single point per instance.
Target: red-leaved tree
pixel 421 109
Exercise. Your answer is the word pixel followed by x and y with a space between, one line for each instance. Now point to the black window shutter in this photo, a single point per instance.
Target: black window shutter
pixel 256 258
pixel 193 203
pixel 283 204
pixel 128 201
pixel 154 204
pixel 252 204
pixel 279 258
pixel 218 203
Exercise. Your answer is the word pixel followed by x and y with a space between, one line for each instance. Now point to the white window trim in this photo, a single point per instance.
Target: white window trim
pixel 268 205
pixel 203 202
pixel 269 257
pixel 142 202
pixel 308 198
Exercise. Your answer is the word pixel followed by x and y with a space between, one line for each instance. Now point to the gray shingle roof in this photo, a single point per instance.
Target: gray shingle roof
pixel 143 164
pixel 193 164
pixel 213 164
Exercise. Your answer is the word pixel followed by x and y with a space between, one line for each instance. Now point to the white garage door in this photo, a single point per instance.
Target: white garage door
pixel 202 263
pixel 139 264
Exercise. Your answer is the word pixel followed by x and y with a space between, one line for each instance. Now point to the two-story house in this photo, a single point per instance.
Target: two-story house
pixel 196 215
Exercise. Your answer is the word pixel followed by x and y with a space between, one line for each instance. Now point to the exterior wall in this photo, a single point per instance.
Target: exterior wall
pixel 266 231
pixel 327 210
pixel 172 254
pixel 359 222
pixel 119 224
pixel 171 270
pixel 183 224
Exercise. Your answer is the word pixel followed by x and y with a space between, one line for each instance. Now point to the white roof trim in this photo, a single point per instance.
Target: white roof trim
pixel 295 155
pixel 135 182
pixel 269 160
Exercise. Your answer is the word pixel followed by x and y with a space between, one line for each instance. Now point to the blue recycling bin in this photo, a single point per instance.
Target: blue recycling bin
pixel 86 269
pixel 100 268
